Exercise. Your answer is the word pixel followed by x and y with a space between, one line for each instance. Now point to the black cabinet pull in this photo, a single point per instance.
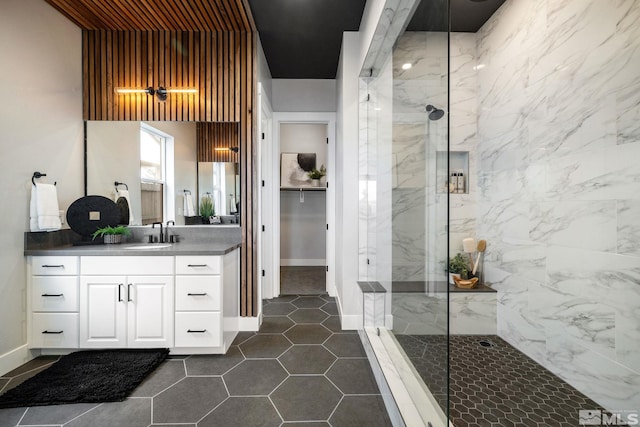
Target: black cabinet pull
pixel 53 266
pixel 120 292
pixel 52 295
pixel 197 295
pixel 129 292
pixel 192 331
pixel 196 265
pixel 52 332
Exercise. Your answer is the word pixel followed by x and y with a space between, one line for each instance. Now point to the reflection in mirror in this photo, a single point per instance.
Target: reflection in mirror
pixel 158 161
pixel 221 182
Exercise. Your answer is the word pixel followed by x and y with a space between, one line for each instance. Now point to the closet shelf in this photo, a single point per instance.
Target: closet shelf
pixel 303 189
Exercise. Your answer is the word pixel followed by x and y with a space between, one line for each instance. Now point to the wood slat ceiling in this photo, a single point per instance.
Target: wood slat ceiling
pixel 182 15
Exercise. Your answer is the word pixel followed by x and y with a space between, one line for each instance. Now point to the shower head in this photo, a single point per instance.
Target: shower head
pixel 434 113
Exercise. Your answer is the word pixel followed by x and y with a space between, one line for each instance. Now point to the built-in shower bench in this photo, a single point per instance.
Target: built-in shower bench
pixel 422 307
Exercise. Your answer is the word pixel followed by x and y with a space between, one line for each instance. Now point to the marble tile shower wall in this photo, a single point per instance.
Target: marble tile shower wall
pixel 419 207
pixel 559 187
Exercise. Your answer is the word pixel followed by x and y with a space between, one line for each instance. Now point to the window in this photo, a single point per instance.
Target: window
pixel 155 156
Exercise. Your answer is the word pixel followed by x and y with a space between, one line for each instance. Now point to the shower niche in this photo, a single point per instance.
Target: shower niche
pixel 455 178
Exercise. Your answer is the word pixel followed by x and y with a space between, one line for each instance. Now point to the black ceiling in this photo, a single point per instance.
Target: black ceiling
pixel 302 38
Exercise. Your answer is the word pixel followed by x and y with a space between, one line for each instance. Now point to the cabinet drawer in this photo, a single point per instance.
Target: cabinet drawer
pixel 58 293
pixel 198 264
pixel 197 329
pixel 54 330
pixel 140 265
pixel 54 265
pixel 198 293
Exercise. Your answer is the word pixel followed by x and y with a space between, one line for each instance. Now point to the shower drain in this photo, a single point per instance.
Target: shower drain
pixel 485 343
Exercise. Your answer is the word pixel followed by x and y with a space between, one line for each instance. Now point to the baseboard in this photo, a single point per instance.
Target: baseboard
pixel 251 324
pixel 16 358
pixel 303 262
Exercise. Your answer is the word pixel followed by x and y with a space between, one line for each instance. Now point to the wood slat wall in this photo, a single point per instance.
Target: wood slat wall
pixel 211 62
pixel 217 135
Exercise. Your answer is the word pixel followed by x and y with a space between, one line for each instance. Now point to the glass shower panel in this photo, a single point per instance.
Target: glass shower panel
pixel 420 206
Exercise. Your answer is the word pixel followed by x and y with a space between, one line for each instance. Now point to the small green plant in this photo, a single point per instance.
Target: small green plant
pixel 110 231
pixel 317 173
pixel 206 207
pixel 458 265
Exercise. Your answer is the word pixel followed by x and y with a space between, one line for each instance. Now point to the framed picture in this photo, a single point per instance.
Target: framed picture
pixel 294 168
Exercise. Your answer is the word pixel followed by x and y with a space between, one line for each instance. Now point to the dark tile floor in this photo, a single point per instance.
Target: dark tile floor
pixel 303 280
pixel 300 369
pixel 494 384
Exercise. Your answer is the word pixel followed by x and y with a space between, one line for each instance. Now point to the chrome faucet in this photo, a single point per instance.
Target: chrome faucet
pixel 166 230
pixel 161 239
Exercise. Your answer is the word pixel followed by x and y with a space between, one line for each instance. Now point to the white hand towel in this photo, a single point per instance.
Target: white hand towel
pixel 44 211
pixel 125 195
pixel 188 205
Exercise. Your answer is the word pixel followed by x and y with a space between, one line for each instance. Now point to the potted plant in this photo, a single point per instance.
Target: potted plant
pixel 112 234
pixel 459 267
pixel 207 210
pixel 316 175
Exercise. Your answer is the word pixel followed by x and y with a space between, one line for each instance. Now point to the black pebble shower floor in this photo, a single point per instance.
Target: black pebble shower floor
pixel 493 385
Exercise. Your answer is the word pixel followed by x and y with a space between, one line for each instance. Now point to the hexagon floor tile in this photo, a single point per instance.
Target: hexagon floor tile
pixel 302 398
pixel 307 359
pixel 492 384
pixel 258 377
pixel 286 374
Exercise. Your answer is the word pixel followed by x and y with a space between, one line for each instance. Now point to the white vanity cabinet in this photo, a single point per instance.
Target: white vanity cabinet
pixel 132 309
pixel 188 303
pixel 54 302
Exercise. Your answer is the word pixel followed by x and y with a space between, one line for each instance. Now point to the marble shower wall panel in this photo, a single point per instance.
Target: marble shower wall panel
pixel 559 187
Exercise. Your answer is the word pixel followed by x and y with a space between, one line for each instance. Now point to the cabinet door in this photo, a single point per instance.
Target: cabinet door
pixel 150 311
pixel 103 311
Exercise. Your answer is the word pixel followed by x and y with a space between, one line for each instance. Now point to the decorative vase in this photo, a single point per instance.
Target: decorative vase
pixel 315 182
pixel 112 238
pixel 451 276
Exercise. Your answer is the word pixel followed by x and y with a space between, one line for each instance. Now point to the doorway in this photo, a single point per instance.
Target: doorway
pixel 301 232
pixel 303 208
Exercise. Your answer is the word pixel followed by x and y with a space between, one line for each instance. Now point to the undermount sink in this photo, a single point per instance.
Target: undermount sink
pixel 150 246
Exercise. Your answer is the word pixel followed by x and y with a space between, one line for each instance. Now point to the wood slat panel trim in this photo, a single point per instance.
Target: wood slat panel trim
pixel 210 62
pixel 181 15
pixel 210 136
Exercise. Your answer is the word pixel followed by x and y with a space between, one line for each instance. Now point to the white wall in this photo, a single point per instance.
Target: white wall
pixel 304 95
pixel 302 224
pixel 559 186
pixel 264 73
pixel 347 182
pixel 41 122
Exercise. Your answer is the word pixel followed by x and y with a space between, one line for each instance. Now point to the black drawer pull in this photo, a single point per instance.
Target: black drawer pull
pixel 53 266
pixel 191 331
pixel 52 332
pixel 196 265
pixel 197 295
pixel 52 295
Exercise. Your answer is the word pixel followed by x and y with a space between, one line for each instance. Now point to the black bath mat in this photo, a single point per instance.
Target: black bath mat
pixel 86 377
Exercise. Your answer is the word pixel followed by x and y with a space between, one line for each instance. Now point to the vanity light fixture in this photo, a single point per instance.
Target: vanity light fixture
pixel 161 92
pixel 234 149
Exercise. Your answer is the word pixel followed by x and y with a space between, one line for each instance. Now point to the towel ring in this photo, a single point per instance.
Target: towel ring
pixel 121 183
pixel 38 175
pixel 187 191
